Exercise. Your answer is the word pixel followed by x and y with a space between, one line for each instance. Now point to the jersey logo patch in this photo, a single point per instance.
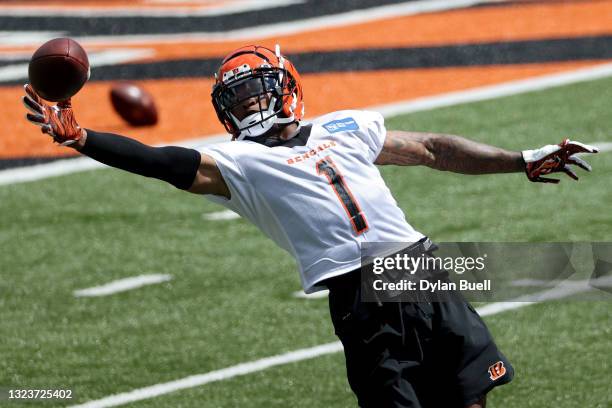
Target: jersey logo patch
pixel 497 371
pixel 341 125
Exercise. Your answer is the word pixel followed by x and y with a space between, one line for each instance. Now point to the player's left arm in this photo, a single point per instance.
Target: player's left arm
pixel 461 155
pixel 184 168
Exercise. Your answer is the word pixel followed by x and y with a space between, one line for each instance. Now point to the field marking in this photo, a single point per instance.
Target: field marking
pixel 78 164
pixel 586 284
pixel 600 282
pixel 602 146
pixel 96 59
pixel 15 55
pixel 217 375
pixel 63 167
pixel 556 293
pixel 146 11
pixel 221 215
pixel 288 28
pixel 18 38
pixel 122 285
pixel 316 295
pixel 301 354
pixel 510 88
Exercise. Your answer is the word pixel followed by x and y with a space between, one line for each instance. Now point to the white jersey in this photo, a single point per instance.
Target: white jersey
pixel 318 201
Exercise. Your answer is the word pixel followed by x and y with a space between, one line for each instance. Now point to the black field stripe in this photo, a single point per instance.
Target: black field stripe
pixel 519 52
pixel 498 53
pixel 92 25
pixel 29 161
pixel 75 26
pixel 4 63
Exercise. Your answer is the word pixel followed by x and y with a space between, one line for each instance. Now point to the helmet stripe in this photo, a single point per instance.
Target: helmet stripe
pixel 239 53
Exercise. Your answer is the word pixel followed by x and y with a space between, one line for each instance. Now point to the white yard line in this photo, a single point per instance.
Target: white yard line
pixel 217 375
pixel 144 11
pixel 295 27
pixel 602 146
pixel 558 292
pixel 96 59
pixel 316 295
pixel 604 281
pixel 299 355
pixel 62 167
pixel 20 38
pixel 275 30
pixel 122 285
pixel 221 215
pixel 69 166
pixel 47 170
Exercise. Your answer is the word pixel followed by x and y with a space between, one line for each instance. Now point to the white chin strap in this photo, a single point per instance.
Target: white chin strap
pixel 253 125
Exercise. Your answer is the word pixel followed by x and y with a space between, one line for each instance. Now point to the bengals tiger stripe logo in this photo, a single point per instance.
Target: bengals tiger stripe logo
pixel 497 370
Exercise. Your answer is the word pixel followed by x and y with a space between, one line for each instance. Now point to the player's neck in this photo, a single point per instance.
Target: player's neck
pixel 278 136
pixel 289 131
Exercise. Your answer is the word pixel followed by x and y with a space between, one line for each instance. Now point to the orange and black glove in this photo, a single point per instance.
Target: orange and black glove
pixel 57 121
pixel 555 158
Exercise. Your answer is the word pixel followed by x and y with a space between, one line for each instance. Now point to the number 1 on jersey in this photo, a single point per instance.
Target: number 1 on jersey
pixel 326 166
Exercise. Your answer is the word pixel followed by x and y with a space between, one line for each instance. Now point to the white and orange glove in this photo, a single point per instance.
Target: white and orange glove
pixel 555 158
pixel 57 121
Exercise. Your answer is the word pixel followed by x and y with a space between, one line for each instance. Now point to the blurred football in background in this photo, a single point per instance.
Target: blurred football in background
pixel 58 69
pixel 134 104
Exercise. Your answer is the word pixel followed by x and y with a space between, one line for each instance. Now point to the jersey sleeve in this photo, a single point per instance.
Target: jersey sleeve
pixel 226 156
pixel 368 127
pixel 373 132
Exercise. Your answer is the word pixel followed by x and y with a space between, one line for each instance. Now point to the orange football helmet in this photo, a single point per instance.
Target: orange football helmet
pixel 257 72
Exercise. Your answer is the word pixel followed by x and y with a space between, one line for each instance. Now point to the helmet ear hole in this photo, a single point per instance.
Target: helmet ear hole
pixel 288 105
pixel 229 126
pixel 293 102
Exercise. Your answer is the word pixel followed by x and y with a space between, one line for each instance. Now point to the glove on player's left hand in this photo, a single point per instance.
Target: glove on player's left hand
pixel 555 158
pixel 57 121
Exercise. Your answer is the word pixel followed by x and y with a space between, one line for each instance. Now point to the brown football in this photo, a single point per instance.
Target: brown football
pixel 135 105
pixel 58 69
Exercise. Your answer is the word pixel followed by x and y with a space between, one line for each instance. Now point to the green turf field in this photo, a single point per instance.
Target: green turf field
pixel 230 298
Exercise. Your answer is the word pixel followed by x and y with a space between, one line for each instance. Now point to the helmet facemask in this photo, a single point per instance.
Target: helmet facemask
pixel 270 84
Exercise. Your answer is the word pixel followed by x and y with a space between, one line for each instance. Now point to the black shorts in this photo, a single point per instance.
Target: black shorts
pixel 438 354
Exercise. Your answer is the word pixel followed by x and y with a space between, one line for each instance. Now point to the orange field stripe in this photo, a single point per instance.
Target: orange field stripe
pixel 186 111
pixel 474 25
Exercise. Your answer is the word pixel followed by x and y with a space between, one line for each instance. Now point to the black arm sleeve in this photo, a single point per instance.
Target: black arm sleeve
pixel 176 165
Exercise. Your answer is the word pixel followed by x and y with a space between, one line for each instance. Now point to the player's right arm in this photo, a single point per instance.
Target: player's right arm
pixel 461 155
pixel 447 153
pixel 186 169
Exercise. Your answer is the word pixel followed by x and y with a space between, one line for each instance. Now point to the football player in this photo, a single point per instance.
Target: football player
pixel 315 189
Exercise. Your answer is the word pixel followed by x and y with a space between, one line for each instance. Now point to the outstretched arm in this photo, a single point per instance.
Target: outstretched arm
pixel 447 153
pixel 186 169
pixel 460 155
